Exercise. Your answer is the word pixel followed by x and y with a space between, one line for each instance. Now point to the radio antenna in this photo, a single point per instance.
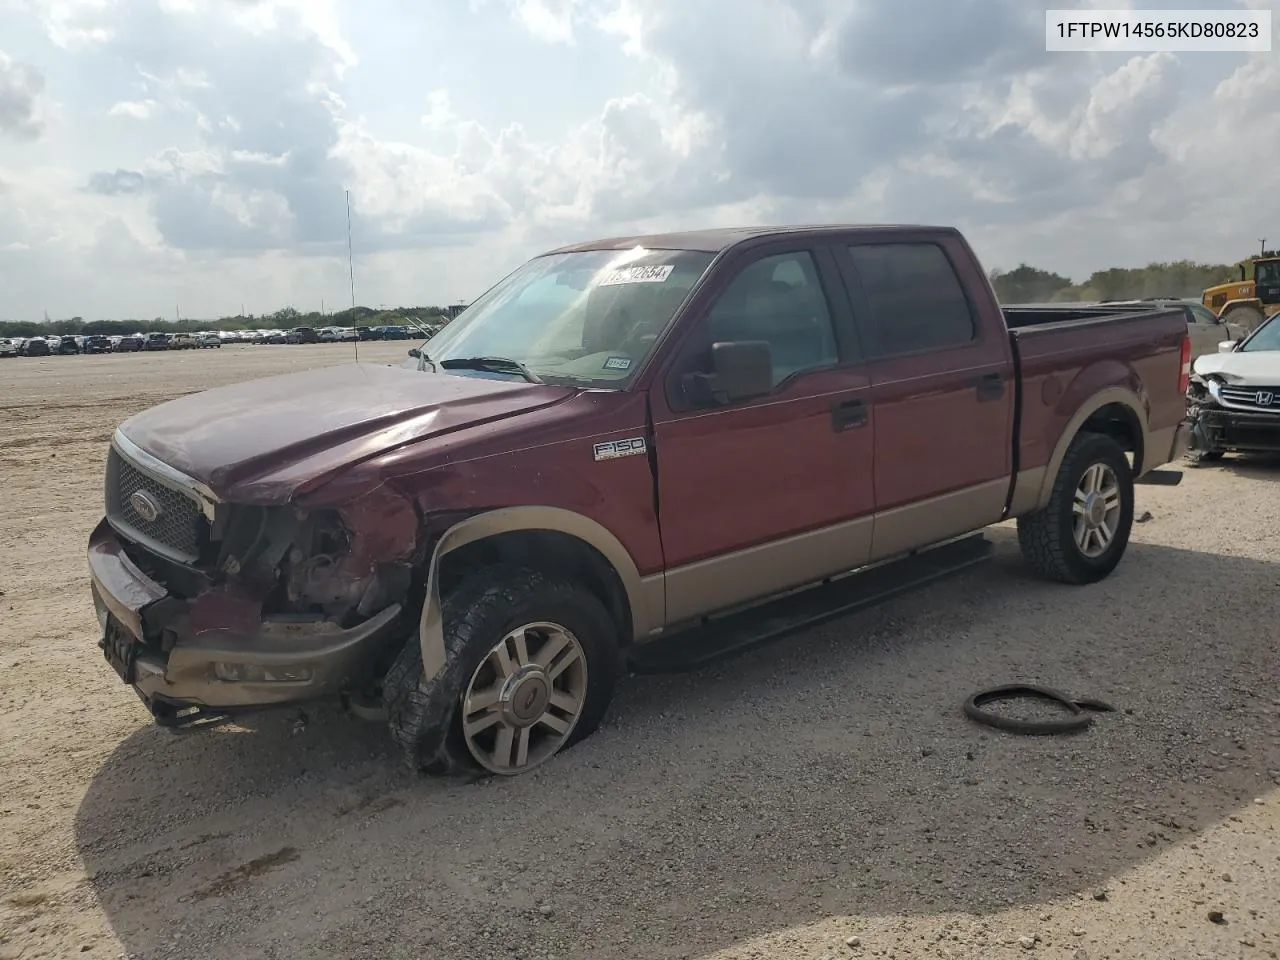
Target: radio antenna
pixel 351 274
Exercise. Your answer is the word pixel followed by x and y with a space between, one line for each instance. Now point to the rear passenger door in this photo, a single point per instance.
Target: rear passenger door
pixel 941 385
pixel 760 495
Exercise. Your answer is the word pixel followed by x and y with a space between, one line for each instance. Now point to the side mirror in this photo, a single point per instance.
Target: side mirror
pixel 415 353
pixel 1228 346
pixel 740 370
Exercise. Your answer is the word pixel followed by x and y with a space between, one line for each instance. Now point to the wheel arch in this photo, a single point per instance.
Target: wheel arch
pixel 1114 412
pixel 538 534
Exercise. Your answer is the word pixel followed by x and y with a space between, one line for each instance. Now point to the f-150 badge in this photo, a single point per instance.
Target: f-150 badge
pixel 613 449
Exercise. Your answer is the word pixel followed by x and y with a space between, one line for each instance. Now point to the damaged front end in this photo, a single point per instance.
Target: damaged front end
pixel 1226 417
pixel 209 607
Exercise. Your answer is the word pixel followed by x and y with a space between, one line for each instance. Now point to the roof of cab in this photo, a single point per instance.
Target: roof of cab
pixel 721 238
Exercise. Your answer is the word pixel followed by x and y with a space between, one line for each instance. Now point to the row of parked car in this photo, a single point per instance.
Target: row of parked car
pixel 331 334
pixel 45 346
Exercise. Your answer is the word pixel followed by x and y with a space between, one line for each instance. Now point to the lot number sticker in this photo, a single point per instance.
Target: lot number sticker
pixel 650 274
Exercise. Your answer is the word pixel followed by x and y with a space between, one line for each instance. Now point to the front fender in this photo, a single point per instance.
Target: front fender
pixel 645 595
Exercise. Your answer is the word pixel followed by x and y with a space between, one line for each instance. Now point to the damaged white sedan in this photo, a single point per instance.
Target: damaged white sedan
pixel 1233 400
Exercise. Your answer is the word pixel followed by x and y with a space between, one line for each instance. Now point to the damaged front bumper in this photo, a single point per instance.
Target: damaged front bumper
pixel 283 659
pixel 1216 429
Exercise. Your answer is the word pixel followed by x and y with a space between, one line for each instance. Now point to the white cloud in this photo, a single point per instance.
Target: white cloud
pixel 262 114
pixel 134 109
pixel 549 20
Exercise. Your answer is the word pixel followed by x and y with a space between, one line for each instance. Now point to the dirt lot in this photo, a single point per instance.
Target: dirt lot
pixel 822 797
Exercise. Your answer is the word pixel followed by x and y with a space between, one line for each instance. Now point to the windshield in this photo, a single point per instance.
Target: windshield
pixel 590 316
pixel 1266 337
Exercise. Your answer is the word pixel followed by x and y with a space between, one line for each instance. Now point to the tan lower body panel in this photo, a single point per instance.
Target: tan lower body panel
pixel 938 518
pixel 654 590
pixel 722 582
pixel 1160 448
pixel 1026 491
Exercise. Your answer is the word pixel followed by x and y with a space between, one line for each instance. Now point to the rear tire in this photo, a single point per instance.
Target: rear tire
pixel 499 624
pixel 1081 535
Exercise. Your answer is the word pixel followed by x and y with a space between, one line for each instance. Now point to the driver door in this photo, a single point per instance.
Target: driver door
pixel 765 494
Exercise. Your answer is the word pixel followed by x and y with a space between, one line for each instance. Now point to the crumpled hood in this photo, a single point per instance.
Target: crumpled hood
pixel 1260 369
pixel 262 441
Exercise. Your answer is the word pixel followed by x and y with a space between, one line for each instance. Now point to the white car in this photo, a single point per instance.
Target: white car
pixel 8 347
pixel 1233 402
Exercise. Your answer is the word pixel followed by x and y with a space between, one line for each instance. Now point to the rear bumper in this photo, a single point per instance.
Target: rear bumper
pixel 282 661
pixel 1217 429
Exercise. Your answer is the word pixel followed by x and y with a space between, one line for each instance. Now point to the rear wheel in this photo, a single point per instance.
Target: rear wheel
pixel 531 663
pixel 1080 536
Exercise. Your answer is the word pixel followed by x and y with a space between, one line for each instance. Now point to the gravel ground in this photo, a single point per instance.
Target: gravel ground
pixel 820 797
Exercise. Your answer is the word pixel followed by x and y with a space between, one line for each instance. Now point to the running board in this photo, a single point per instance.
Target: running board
pixel 693 647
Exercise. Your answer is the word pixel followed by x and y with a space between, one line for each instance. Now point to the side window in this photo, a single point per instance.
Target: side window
pixel 915 297
pixel 1201 315
pixel 779 300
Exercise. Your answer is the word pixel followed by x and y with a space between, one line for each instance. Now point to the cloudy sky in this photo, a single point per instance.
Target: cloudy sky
pixel 195 153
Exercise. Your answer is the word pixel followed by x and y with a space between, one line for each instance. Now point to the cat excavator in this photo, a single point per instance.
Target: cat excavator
pixel 1251 299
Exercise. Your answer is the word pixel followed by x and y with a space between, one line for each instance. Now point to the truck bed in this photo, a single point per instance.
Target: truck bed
pixel 1022 316
pixel 1059 349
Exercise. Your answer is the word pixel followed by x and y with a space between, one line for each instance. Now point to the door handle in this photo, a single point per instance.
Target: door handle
pixel 990 386
pixel 847 414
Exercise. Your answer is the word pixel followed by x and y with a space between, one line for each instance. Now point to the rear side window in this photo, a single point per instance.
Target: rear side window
pixel 916 300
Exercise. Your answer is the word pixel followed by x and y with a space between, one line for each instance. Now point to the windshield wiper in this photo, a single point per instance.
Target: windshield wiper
pixel 496 364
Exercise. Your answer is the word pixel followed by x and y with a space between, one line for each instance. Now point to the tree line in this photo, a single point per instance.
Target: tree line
pixel 1177 279
pixel 283 319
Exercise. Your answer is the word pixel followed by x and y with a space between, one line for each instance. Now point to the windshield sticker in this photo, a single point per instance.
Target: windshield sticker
pixel 650 274
pixel 618 363
pixel 613 449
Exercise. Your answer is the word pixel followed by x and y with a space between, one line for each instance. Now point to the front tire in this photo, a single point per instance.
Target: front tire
pixel 531 664
pixel 1081 535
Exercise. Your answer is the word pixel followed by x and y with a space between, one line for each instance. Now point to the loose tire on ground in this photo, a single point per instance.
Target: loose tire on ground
pixel 426 716
pixel 1048 537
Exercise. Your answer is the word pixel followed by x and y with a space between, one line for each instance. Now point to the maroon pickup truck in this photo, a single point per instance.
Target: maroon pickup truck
pixel 619 441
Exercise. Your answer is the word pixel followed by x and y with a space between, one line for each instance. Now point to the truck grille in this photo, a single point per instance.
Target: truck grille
pixel 1255 398
pixel 158 516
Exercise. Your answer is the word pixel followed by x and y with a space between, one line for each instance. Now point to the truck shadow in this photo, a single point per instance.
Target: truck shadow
pixel 1256 467
pixel 828 774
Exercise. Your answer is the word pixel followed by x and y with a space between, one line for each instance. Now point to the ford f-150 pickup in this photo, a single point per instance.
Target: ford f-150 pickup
pixel 619 445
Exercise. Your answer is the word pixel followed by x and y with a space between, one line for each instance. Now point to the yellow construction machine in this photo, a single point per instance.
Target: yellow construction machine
pixel 1254 297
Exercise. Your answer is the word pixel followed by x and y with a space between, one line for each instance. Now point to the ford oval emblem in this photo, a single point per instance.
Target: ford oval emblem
pixel 145 506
